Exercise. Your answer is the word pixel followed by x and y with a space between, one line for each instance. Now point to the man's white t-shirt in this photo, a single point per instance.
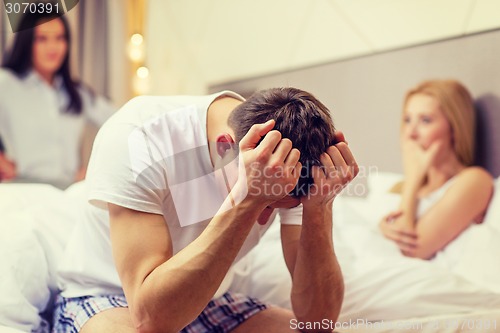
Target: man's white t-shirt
pixel 151 156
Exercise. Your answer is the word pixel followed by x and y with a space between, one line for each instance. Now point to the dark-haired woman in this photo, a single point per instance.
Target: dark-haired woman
pixel 42 110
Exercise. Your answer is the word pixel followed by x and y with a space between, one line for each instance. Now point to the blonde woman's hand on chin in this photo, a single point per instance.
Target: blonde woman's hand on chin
pixel 417 160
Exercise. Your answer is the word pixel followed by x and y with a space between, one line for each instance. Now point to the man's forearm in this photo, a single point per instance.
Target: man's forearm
pixel 179 289
pixel 318 287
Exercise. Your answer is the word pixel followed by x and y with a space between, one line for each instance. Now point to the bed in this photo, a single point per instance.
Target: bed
pixel 385 292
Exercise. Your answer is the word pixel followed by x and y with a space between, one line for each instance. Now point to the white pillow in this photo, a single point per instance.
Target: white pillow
pixel 380 182
pixel 378 203
pixel 493 216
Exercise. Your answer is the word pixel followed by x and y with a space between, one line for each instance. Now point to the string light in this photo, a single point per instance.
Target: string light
pixel 141 80
pixel 136 51
pixel 136 48
pixel 142 72
pixel 136 39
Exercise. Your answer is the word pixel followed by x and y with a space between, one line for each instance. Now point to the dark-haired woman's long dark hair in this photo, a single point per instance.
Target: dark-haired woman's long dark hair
pixel 19 59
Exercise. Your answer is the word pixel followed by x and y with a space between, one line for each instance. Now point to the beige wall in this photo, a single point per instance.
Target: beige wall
pixel 193 43
pixel 365 94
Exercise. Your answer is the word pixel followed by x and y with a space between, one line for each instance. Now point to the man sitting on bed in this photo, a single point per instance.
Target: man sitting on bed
pixel 171 214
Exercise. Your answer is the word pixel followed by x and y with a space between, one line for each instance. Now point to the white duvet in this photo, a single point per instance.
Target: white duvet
pixel 380 283
pixel 35 220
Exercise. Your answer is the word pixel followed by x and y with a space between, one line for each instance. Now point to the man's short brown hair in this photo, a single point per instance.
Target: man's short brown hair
pixel 299 117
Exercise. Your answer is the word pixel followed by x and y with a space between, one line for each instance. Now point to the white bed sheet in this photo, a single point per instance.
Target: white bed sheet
pixel 35 220
pixel 388 289
pixel 381 283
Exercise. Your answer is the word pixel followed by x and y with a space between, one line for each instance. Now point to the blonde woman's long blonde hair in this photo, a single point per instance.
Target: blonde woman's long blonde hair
pixel 457 106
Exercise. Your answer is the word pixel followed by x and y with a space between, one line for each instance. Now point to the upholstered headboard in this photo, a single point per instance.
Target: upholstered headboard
pixel 488 132
pixel 365 94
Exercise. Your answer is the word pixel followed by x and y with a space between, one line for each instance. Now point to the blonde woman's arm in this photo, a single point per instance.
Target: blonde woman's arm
pixel 463 202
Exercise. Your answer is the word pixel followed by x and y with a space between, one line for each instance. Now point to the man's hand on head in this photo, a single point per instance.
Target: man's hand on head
pixel 338 168
pixel 269 168
pixel 340 137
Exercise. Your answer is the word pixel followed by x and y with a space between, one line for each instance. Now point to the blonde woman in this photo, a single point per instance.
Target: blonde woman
pixel 442 193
